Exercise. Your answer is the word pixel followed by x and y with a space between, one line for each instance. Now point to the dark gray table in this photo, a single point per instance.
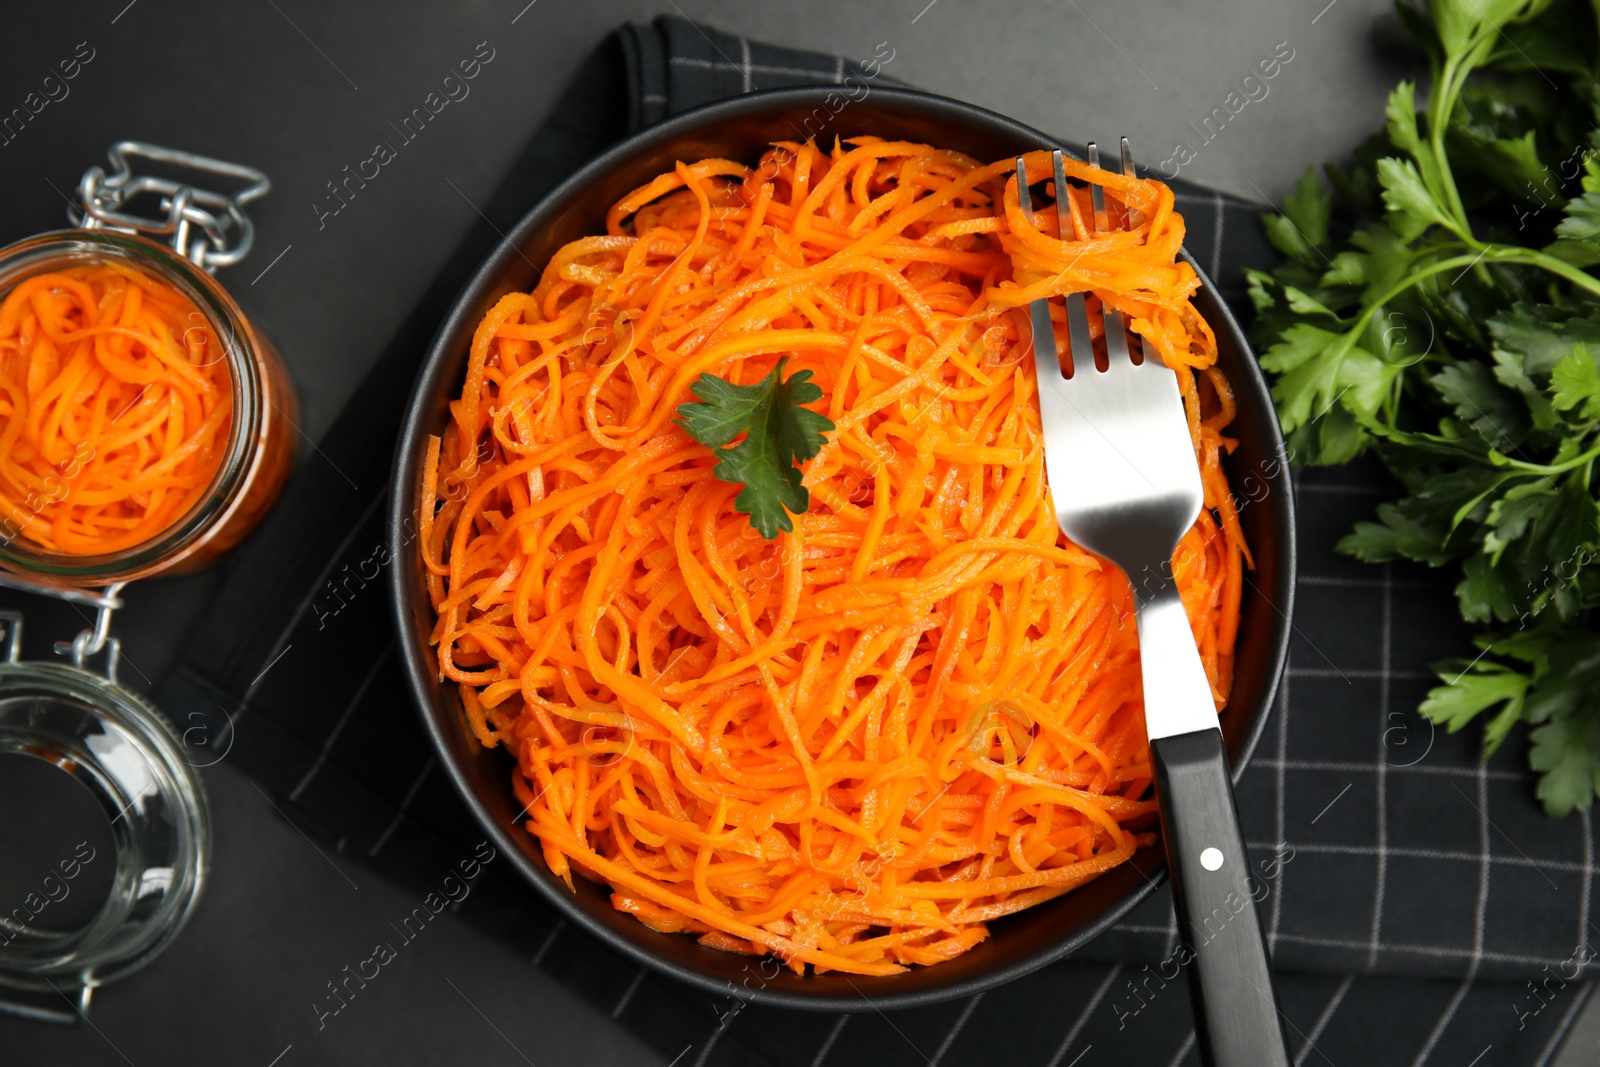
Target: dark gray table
pixel 302 90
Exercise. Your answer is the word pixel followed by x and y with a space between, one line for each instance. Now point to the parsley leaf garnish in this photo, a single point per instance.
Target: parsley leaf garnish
pixel 779 433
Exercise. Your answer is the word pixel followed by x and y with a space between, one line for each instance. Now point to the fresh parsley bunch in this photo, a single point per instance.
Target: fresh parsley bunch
pixel 1440 310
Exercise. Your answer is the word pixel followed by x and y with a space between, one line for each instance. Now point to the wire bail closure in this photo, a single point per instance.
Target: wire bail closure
pixel 11 634
pixel 89 642
pixel 205 226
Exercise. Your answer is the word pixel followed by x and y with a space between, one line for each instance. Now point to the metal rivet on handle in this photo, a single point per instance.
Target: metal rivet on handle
pixel 1211 859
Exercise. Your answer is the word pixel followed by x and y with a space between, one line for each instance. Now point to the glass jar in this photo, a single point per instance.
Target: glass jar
pixel 260 445
pixel 146 802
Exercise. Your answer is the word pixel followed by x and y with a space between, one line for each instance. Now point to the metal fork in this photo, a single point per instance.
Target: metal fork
pixel 1126 485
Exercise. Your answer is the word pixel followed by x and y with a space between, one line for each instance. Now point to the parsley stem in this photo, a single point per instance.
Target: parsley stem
pixel 1534 258
pixel 1408 282
pixel 1492 253
pixel 1447 88
pixel 1554 468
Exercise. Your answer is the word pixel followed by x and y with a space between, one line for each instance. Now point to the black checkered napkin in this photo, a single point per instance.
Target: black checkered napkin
pixel 1419 889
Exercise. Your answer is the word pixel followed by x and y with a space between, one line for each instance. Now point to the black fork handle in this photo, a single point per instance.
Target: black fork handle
pixel 1236 1017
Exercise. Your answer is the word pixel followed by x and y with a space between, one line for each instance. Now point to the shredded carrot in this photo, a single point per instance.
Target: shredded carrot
pixel 853 746
pixel 115 408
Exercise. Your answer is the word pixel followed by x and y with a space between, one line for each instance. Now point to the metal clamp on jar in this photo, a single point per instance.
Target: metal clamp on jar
pixel 145 428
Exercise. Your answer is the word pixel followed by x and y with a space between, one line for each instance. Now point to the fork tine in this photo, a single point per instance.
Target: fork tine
pixel 1097 193
pixel 1077 312
pixel 1064 224
pixel 1115 327
pixel 1046 357
pixel 1078 332
pixel 1116 339
pixel 1135 344
pixel 1116 332
pixel 1024 196
pixel 1130 171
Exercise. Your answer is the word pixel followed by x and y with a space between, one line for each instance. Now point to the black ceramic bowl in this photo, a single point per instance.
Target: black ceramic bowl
pixel 741 128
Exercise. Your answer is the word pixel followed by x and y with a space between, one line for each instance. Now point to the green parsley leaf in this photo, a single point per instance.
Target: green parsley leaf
pixel 1565 706
pixel 1575 383
pixel 1260 289
pixel 1580 254
pixel 1542 334
pixel 1544 45
pixel 1412 207
pixel 1468 29
pixel 1483 403
pixel 1303 225
pixel 1287 238
pixel 1396 535
pixel 1401 114
pixel 1492 135
pixel 1583 218
pixel 1512 163
pixel 1591 166
pixel 1566 753
pixel 1302 303
pixel 1483 594
pixel 1511 516
pixel 1470 689
pixel 1309 375
pixel 779 433
pixel 1309 208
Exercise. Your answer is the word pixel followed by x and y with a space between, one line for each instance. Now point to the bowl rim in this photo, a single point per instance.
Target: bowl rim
pixel 425 688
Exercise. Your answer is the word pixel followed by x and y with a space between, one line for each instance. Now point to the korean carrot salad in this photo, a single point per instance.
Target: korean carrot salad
pixel 116 409
pixel 851 730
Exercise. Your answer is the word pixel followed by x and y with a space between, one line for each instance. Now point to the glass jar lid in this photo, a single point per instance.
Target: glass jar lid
pixel 122 751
